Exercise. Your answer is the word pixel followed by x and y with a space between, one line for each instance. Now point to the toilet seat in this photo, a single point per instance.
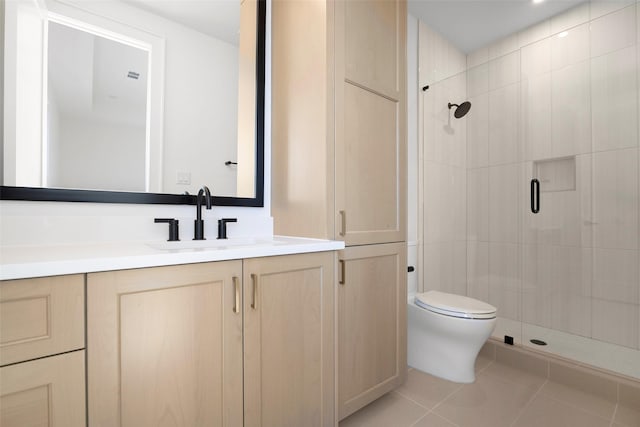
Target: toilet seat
pixel 455 305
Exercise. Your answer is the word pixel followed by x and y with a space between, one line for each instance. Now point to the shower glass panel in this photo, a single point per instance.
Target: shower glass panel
pixel 580 284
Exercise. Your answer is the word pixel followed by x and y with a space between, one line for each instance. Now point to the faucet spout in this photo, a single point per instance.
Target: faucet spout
pixel 198 233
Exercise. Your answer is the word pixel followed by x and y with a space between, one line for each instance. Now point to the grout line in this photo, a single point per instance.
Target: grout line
pixel 419 419
pixel 522 411
pixel 411 400
pixel 447 397
pixel 613 417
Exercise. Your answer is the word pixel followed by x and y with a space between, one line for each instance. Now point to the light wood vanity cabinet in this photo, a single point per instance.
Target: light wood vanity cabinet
pixel 339 170
pixel 370 121
pixel 372 303
pixel 289 341
pixel 42 378
pixel 339 150
pixel 166 344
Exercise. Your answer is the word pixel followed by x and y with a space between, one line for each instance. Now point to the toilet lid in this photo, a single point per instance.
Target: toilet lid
pixel 455 305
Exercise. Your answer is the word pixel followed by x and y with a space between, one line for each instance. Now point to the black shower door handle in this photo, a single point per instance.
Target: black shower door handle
pixel 535 196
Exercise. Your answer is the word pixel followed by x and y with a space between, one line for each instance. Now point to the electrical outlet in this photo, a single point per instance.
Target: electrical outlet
pixel 183 178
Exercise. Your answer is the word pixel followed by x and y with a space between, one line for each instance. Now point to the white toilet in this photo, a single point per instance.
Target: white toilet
pixel 446 332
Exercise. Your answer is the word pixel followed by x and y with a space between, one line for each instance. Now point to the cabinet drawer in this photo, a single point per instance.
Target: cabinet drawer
pixel 44 392
pixel 41 317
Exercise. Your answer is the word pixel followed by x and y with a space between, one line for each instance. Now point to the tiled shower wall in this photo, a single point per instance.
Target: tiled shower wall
pixel 557 102
pixel 442 66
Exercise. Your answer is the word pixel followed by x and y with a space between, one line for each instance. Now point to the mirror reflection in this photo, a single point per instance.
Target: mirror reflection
pixel 137 95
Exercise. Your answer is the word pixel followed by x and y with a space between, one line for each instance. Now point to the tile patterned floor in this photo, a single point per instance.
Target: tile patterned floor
pixel 501 396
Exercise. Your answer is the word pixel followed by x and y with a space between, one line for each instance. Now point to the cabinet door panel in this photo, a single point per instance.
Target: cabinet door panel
pixel 289 376
pixel 374 35
pixel 44 392
pixel 372 195
pixel 370 121
pixel 165 346
pixel 41 317
pixel 371 324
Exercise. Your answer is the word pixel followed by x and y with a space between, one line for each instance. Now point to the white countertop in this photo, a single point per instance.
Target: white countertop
pixel 20 262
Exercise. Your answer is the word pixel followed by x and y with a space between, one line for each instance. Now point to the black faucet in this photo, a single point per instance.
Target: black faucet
pixel 198 233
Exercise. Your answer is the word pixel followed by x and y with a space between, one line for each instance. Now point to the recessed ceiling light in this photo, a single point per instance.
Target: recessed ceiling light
pixel 537 1
pixel 563 34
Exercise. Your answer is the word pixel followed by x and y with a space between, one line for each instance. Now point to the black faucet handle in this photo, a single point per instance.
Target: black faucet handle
pixel 222 226
pixel 174 232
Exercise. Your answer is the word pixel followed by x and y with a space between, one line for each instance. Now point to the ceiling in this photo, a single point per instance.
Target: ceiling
pixel 471 24
pixel 217 18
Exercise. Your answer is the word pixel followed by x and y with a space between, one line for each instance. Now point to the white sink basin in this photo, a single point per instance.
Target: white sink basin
pixel 213 244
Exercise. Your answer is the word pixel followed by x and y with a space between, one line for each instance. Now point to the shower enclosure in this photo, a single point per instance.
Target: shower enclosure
pixel 530 201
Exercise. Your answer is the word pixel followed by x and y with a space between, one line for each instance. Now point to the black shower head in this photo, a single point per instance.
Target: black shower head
pixel 461 110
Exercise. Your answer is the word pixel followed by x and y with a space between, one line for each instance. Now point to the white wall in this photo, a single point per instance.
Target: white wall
pixel 51 223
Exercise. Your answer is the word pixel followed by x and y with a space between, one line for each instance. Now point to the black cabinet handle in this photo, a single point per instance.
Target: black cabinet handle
pixel 535 196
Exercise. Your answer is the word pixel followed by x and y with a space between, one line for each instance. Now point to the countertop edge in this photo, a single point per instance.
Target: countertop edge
pixel 88 264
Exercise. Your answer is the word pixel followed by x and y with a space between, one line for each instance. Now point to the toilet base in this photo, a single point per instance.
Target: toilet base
pixel 445 346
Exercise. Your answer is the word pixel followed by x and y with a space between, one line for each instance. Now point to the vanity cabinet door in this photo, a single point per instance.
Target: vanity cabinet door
pixel 372 323
pixel 370 121
pixel 165 346
pixel 44 392
pixel 288 339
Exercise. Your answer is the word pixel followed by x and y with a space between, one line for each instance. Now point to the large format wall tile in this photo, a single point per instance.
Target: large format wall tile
pixel 478 204
pixel 534 33
pixel 445 267
pixel 477 121
pixel 478 80
pixel 616 275
pixel 570 47
pixel 537 284
pixel 614 99
pixel 504 145
pixel 503 203
pixel 603 7
pixel 614 31
pixel 571 290
pixel 615 322
pixel 615 199
pixel 536 58
pixel 571 110
pixel 504 279
pixel 571 18
pixel 478 270
pixel 504 70
pixel 536 116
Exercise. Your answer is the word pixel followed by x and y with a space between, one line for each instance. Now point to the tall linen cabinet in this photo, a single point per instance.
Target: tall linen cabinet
pixel 339 171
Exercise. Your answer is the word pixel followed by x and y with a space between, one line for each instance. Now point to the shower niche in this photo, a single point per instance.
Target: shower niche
pixel 555 174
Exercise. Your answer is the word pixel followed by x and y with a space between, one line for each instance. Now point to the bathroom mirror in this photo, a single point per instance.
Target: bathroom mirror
pixel 134 101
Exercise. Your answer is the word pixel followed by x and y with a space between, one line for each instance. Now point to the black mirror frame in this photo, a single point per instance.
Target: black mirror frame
pixel 93 196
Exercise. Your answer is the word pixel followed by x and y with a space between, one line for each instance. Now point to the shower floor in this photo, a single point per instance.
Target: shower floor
pixel 587 351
